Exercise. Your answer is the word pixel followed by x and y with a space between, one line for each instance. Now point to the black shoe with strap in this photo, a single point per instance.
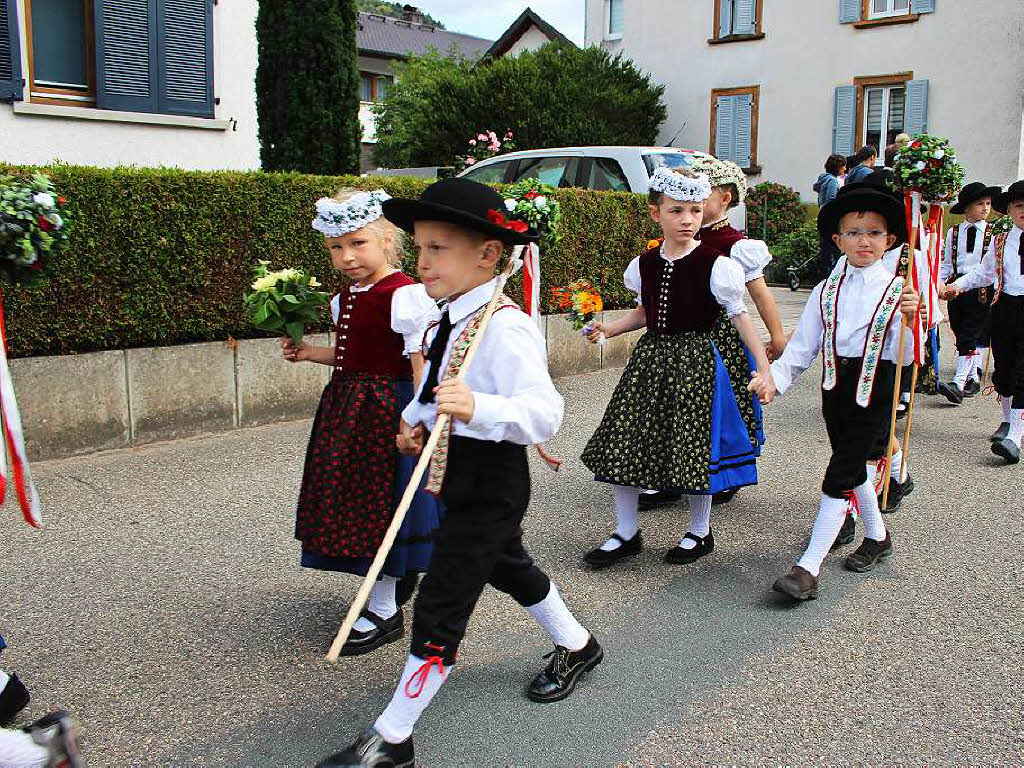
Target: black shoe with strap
pixel 371 751
pixel 907 486
pixel 384 631
pixel 1007 449
pixel 564 670
pixel 869 554
pixel 972 388
pixel 602 558
pixel 723 497
pixel 682 556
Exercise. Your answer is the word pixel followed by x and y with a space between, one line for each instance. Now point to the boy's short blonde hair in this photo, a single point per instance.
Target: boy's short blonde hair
pixel 392 239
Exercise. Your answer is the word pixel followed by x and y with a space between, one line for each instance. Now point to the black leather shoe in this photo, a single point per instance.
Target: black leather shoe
pixel 385 631
pixel 799 583
pixel 869 554
pixel 723 497
pixel 13 698
pixel 563 671
pixel 659 499
pixel 951 392
pixel 370 749
pixel 901 409
pixel 679 556
pixel 907 486
pixel 1001 433
pixel 599 558
pixel 846 533
pixel 1007 449
pixel 895 498
pixel 972 388
pixel 406 588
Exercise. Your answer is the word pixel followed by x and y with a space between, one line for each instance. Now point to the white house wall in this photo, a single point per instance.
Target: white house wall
pixel 35 139
pixel 974 95
pixel 531 40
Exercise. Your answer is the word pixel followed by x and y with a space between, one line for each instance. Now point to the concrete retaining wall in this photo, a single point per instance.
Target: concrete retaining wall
pixel 76 404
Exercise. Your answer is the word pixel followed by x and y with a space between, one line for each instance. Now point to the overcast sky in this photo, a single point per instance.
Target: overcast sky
pixel 492 17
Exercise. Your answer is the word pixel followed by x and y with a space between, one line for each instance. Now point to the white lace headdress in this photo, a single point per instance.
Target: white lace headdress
pixel 334 219
pixel 685 189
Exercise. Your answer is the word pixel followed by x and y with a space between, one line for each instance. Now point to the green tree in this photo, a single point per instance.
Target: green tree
pixel 550 97
pixel 395 10
pixel 307 86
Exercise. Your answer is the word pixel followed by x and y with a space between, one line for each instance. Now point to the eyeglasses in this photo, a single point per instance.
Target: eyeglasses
pixel 871 234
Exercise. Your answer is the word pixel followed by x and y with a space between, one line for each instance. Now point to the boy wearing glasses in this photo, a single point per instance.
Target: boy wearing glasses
pixel 852 320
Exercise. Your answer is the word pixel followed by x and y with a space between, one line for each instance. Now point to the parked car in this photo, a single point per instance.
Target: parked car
pixel 617 169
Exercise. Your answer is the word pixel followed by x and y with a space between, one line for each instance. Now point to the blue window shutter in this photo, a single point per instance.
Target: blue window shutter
pixel 922 6
pixel 743 20
pixel 725 128
pixel 917 107
pixel 725 18
pixel 743 114
pixel 850 11
pixel 10 52
pixel 843 118
pixel 185 55
pixel 126 63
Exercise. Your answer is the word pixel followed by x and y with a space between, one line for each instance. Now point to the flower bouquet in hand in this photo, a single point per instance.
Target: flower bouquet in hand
pixel 582 301
pixel 284 301
pixel 33 226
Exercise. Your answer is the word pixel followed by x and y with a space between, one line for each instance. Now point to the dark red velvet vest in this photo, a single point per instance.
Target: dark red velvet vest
pixel 677 295
pixel 722 238
pixel 365 342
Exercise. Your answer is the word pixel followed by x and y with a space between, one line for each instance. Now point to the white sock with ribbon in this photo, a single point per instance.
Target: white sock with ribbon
pixel 964 368
pixel 831 516
pixel 626 500
pixel 554 615
pixel 870 514
pixel 980 356
pixel 1016 425
pixel 420 682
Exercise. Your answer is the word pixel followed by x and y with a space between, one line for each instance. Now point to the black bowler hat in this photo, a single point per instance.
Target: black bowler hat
pixel 972 193
pixel 1001 202
pixel 465 203
pixel 872 194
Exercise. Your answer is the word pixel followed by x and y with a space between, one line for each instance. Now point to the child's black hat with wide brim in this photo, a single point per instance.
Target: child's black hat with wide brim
pixel 1001 202
pixel 972 193
pixel 462 202
pixel 872 195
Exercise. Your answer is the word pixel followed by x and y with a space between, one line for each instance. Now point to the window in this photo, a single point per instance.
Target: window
pixel 736 20
pixel 614 13
pixel 876 109
pixel 667 160
pixel 606 174
pixel 884 115
pixel 880 9
pixel 556 171
pixel 493 173
pixel 734 125
pixel 132 55
pixel 374 87
pixel 864 14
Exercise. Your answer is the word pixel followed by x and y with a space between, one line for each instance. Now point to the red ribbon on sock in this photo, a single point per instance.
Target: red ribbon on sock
pixel 420 676
pixel 851 498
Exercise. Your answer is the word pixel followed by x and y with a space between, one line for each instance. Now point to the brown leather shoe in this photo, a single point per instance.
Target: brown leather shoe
pixel 869 554
pixel 799 583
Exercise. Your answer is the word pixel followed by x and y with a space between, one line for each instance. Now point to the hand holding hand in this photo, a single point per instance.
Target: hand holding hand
pixel 410 439
pixel 455 398
pixel 763 385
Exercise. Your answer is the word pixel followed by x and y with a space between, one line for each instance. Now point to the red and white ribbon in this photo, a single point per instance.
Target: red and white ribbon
pixel 531 282
pixel 14 442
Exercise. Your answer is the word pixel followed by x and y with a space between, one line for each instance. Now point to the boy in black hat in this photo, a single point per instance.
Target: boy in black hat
pixel 1003 266
pixel 852 319
pixel 966 243
pixel 505 402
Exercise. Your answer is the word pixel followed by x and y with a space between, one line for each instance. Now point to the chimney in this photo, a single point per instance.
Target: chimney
pixel 413 15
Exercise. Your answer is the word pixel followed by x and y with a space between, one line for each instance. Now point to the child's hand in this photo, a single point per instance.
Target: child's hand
pixel 763 385
pixel 948 292
pixel 596 332
pixel 910 302
pixel 410 439
pixel 294 353
pixel 774 348
pixel 456 399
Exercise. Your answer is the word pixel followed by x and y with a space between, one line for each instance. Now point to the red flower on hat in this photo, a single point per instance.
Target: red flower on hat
pixel 498 218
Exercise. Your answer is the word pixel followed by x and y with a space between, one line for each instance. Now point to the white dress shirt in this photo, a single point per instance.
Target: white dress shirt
pixel 985 273
pixel 859 296
pixel 728 285
pixel 929 298
pixel 515 400
pixel 965 260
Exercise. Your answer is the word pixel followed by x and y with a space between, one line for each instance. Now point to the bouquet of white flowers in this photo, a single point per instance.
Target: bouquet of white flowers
pixel 33 226
pixel 284 301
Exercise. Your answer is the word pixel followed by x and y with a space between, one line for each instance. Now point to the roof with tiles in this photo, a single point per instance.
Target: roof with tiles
pixel 396 38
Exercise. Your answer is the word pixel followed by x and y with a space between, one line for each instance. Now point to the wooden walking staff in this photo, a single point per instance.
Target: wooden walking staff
pixel 417 476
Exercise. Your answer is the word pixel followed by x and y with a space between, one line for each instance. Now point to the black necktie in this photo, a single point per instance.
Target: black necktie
pixel 972 238
pixel 434 355
pixel 1020 254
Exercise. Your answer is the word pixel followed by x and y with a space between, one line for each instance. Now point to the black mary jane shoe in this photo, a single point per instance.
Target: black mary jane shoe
pixel 1007 449
pixel 659 499
pixel 972 388
pixel 564 670
pixel 384 631
pixel 600 558
pixel 723 497
pixel 846 534
pixel 951 391
pixel 680 556
pixel 370 749
pixel 1000 434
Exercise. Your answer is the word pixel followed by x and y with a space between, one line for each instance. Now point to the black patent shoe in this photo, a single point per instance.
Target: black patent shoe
pixel 384 631
pixel 723 497
pixel 13 698
pixel 370 749
pixel 972 388
pixel 895 498
pixel 951 391
pixel 600 558
pixel 563 671
pixel 1007 449
pixel 846 533
pixel 1000 434
pixel 680 556
pixel 659 499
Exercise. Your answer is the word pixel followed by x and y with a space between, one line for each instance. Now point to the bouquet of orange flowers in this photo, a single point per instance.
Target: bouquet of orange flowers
pixel 581 300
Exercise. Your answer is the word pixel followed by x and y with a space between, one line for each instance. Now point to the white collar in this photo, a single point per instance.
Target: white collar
pixel 470 301
pixel 364 288
pixel 872 273
pixel 976 224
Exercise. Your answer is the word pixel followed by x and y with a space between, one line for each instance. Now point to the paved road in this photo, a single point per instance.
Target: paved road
pixel 165 606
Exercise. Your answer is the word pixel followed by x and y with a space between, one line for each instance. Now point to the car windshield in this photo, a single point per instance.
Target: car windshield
pixel 666 160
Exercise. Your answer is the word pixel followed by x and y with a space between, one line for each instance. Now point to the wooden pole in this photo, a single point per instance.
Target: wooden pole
pixel 417 476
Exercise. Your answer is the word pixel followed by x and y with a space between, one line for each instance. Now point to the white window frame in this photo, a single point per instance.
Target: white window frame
pixel 883 133
pixel 889 12
pixel 608 34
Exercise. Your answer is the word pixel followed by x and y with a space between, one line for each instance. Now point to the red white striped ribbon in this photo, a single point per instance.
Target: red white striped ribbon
pixel 531 282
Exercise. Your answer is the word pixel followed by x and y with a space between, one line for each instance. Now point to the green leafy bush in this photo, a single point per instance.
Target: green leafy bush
pixel 773 210
pixel 795 248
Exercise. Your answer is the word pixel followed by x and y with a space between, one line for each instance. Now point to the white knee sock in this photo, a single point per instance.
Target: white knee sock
pixel 1016 425
pixel 381 603
pixel 626 499
pixel 964 368
pixel 870 514
pixel 19 749
pixel 980 355
pixel 700 519
pixel 420 681
pixel 831 516
pixel 554 615
pixel 896 467
pixel 1006 403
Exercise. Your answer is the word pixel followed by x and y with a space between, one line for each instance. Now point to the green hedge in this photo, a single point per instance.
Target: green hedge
pixel 161 256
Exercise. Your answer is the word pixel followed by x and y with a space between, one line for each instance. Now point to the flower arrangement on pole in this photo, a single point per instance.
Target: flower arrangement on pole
pixel 34 225
pixel 531 204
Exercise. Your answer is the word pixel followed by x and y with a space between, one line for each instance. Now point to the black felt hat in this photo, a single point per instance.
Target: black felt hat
pixel 465 203
pixel 872 194
pixel 1001 202
pixel 972 193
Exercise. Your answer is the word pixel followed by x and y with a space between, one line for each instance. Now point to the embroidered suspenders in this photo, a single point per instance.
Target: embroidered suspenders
pixel 1000 261
pixel 955 243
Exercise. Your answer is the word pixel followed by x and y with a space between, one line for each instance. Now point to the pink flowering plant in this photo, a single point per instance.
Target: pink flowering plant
pixel 928 165
pixel 487 144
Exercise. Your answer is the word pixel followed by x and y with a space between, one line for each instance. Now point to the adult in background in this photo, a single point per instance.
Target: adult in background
pixel 866 159
pixel 827 187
